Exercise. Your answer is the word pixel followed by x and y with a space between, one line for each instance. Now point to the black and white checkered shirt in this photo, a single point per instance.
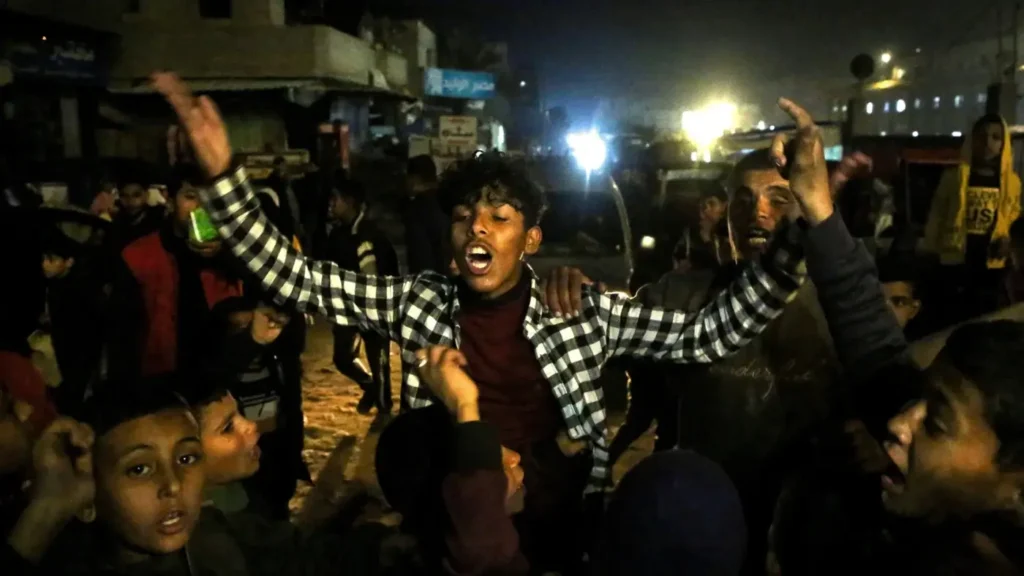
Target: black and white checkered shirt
pixel 418 311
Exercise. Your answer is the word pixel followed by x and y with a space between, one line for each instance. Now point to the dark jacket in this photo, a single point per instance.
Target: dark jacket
pixel 427 235
pixel 361 244
pixel 77 306
pixel 221 545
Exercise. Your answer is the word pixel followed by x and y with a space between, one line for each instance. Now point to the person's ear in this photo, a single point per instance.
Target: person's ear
pixel 915 309
pixel 533 240
pixel 87 515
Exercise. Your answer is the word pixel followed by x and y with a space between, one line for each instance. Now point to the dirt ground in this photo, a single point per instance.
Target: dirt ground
pixel 333 427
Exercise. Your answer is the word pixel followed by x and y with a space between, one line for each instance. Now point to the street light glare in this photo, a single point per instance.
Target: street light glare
pixel 704 126
pixel 522 83
pixel 886 57
pixel 589 149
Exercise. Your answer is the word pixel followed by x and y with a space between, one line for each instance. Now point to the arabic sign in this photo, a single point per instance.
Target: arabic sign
pixel 461 130
pixel 444 153
pixel 71 60
pixel 459 84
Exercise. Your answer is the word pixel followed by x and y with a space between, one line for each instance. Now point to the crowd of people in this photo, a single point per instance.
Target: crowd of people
pixel 795 435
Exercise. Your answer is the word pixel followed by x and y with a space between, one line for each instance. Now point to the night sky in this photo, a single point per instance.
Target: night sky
pixel 587 50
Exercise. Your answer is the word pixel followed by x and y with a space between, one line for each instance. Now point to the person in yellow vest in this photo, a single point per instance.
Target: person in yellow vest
pixel 969 223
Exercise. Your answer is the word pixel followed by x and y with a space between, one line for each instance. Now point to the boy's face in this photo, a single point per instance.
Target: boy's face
pixel 516 495
pixel 55 266
pixel 900 296
pixel 229 442
pixel 946 451
pixel 186 201
pixel 133 198
pixel 988 143
pixel 489 242
pixel 337 206
pixel 149 480
pixel 761 199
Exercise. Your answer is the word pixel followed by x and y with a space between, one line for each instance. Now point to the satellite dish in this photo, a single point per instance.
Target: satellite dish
pixel 862 66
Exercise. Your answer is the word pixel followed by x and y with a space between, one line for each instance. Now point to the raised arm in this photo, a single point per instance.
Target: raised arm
pixel 346 298
pixel 721 328
pixel 311 286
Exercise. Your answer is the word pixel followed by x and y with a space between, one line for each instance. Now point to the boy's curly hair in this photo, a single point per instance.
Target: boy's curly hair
pixel 493 177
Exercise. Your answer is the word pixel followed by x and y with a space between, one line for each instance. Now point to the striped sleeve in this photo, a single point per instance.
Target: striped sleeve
pixel 346 298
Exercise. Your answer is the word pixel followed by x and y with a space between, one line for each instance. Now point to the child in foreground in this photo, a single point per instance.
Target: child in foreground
pixel 134 477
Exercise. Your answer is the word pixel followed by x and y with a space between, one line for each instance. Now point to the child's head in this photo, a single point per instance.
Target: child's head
pixel 346 200
pixel 148 465
pixel 134 195
pixel 496 212
pixel 229 439
pixel 899 284
pixel 960 447
pixel 58 254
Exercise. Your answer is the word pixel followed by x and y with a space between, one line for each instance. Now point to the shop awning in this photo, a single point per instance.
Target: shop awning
pixel 265 84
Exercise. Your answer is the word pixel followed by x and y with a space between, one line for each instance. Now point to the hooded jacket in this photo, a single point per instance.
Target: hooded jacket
pixel 945 232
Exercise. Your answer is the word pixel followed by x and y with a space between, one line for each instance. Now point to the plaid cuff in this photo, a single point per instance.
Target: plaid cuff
pixel 228 190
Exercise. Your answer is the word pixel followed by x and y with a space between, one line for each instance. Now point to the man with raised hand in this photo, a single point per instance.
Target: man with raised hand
pixel 537 372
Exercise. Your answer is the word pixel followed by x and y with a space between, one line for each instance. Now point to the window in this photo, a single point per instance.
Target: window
pixel 982 97
pixel 958 100
pixel 870 108
pixel 885 108
pixel 917 103
pixel 215 9
pixel 844 108
pixel 900 106
pixel 936 102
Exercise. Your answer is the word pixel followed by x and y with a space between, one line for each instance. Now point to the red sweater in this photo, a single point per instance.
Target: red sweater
pixel 514 395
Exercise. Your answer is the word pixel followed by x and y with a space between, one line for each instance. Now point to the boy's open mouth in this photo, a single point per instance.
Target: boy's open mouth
pixel 758 237
pixel 173 522
pixel 478 259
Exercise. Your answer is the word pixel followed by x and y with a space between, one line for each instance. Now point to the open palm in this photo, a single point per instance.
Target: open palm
pixel 201 121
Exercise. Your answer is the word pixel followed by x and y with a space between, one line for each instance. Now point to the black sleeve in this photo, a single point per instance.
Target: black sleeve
pixel 127 323
pixel 869 343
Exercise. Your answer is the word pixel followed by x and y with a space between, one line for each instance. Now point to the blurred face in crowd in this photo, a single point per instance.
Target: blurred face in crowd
pixel 489 240
pixel 186 201
pixel 946 452
pixel 15 438
pixel 900 296
pixel 712 210
pixel 55 266
pixel 229 442
pixel 133 198
pixel 761 198
pixel 987 141
pixel 149 481
pixel 516 494
pixel 340 207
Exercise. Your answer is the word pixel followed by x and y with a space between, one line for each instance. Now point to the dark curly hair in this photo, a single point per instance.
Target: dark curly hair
pixel 986 354
pixel 495 178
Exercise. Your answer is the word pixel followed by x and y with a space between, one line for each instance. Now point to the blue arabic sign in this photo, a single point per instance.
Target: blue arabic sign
pixel 69 60
pixel 459 84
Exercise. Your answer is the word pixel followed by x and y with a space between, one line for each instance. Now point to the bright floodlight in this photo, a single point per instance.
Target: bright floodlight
pixel 886 57
pixel 589 150
pixel 522 84
pixel 706 125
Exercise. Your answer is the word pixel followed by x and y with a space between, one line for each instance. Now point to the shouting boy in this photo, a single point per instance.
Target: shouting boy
pixel 537 372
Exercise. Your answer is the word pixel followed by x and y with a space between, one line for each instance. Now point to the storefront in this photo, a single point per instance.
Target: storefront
pixel 52 76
